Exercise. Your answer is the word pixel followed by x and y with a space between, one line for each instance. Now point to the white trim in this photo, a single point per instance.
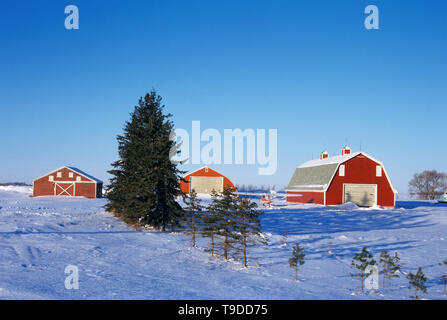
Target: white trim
pixel 341 170
pixel 379 171
pixel 49 173
pixel 65 167
pixel 190 173
pixel 72 181
pixel 64 190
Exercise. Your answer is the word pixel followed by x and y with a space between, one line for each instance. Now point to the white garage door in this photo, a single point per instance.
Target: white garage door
pixel 206 184
pixel 364 195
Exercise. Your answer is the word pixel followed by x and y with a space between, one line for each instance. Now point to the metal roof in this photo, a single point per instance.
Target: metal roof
pixel 315 178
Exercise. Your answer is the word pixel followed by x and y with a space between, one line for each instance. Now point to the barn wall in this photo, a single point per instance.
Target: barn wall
pixel 41 188
pixel 361 170
pixel 184 186
pixel 85 190
pixel 307 197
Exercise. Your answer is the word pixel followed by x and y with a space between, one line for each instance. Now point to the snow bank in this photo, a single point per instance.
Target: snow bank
pixel 20 189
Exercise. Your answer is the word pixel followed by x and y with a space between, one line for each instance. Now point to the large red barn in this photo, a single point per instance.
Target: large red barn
pixel 204 180
pixel 350 177
pixel 67 181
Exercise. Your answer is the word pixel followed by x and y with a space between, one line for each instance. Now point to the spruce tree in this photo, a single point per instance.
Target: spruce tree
pixel 248 226
pixel 224 206
pixel 297 259
pixel 211 223
pixel 361 262
pixel 192 220
pixel 417 282
pixel 390 266
pixel 145 183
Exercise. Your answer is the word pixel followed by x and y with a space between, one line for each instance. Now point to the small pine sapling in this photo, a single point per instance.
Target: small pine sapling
pixel 297 259
pixel 225 206
pixel 248 225
pixel 390 266
pixel 193 215
pixel 361 262
pixel 417 282
pixel 211 222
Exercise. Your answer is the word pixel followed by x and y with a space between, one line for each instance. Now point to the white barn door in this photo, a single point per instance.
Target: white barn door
pixel 363 195
pixel 206 184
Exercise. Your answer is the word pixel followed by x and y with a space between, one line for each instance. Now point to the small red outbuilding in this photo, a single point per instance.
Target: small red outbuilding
pixel 67 181
pixel 350 177
pixel 204 180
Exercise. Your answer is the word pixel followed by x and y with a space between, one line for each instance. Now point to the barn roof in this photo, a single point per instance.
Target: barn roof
pixel 316 175
pixel 332 160
pixel 84 174
pixel 312 178
pixel 200 169
pixel 75 170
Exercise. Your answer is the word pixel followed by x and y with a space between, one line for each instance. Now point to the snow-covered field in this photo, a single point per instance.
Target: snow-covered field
pixel 39 237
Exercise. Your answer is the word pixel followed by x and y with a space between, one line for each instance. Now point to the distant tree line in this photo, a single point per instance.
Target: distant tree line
pixel 251 187
pixel 15 184
pixel 428 185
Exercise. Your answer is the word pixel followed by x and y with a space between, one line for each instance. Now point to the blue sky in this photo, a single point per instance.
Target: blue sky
pixel 307 68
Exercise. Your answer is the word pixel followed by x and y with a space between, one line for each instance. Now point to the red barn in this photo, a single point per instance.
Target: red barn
pixel 67 181
pixel 350 177
pixel 204 180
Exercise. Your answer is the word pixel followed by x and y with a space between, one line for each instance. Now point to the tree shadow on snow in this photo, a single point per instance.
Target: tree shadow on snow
pixel 306 221
pixel 418 204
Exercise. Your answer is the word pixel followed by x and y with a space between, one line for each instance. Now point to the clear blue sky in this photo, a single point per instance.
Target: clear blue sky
pixel 307 68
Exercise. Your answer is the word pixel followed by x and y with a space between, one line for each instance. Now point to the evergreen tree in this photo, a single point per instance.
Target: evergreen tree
pixel 390 266
pixel 224 207
pixel 192 219
pixel 211 223
pixel 417 282
pixel 361 262
pixel 297 259
pixel 145 183
pixel 248 226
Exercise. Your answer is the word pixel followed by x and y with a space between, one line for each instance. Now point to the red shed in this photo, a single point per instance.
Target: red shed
pixel 350 177
pixel 67 181
pixel 204 180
